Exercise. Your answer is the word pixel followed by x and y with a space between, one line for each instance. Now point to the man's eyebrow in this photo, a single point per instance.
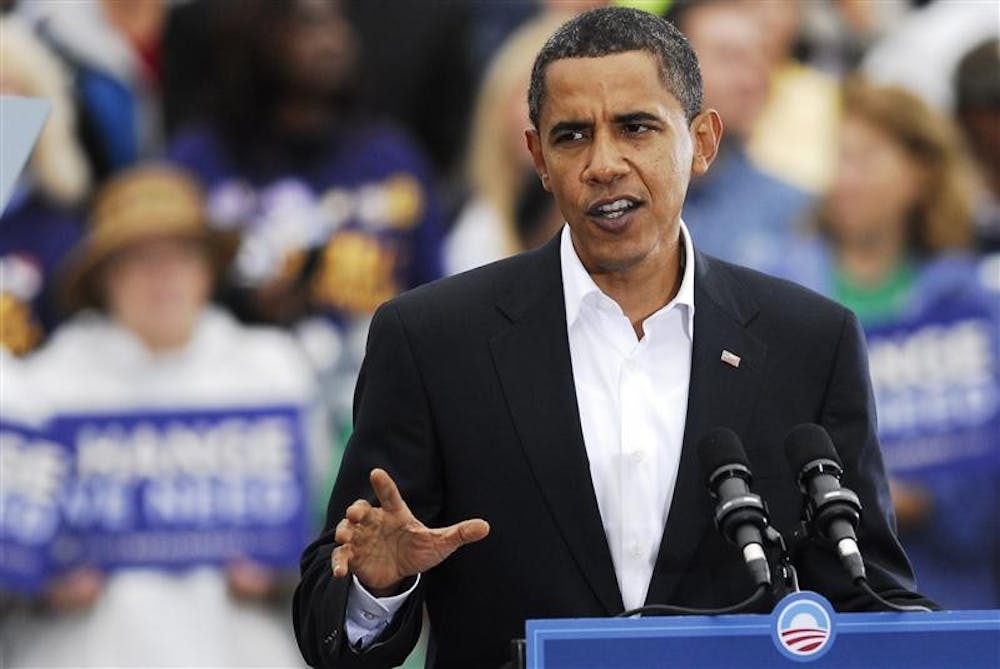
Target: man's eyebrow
pixel 637 117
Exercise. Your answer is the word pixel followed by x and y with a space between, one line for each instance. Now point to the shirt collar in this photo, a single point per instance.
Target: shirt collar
pixel 579 287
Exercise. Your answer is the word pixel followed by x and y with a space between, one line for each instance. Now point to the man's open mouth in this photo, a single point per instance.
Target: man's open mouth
pixel 612 209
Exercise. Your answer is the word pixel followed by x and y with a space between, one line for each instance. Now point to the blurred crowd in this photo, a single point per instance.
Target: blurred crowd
pixel 225 190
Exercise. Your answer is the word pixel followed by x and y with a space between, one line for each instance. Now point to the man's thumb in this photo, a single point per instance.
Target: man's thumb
pixel 467 532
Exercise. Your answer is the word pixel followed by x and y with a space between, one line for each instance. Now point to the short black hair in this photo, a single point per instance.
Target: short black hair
pixel 610 30
pixel 975 80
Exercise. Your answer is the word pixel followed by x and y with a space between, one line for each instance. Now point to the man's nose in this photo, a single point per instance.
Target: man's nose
pixel 605 163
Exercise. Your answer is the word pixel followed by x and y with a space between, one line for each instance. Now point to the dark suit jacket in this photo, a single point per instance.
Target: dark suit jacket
pixel 466 398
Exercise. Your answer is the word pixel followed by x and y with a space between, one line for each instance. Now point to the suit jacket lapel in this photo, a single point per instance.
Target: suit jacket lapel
pixel 719 395
pixel 533 362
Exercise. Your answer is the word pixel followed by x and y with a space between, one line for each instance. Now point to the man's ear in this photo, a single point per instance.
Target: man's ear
pixel 535 147
pixel 706 133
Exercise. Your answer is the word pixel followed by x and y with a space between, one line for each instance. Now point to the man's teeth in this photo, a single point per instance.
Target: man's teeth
pixel 615 209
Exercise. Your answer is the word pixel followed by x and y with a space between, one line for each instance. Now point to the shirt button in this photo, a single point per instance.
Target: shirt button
pixel 634 550
pixel 636 457
pixel 368 615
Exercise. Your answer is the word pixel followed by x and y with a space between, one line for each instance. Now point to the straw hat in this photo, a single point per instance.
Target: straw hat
pixel 143 203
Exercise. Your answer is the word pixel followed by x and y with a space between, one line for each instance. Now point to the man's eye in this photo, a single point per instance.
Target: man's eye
pixel 570 136
pixel 636 128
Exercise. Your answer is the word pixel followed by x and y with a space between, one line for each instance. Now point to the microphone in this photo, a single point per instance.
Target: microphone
pixel 740 515
pixel 831 510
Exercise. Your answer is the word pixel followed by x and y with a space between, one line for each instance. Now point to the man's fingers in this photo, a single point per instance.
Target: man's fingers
pixel 358 511
pixel 386 491
pixel 465 532
pixel 340 561
pixel 344 532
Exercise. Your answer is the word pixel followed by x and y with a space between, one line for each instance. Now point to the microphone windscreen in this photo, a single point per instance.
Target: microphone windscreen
pixel 806 443
pixel 720 447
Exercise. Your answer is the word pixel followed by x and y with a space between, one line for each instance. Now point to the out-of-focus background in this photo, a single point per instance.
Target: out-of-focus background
pixel 225 190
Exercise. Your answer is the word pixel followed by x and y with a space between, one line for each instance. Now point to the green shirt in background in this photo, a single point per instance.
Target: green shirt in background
pixel 878 303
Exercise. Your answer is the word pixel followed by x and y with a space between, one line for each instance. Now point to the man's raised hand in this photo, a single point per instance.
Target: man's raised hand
pixel 384 545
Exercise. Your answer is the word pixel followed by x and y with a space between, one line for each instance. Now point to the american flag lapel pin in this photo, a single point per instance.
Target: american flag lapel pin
pixel 730 358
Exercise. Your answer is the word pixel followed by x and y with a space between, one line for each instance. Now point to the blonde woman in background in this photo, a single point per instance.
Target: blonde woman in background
pixel 897 217
pixel 897 222
pixel 498 162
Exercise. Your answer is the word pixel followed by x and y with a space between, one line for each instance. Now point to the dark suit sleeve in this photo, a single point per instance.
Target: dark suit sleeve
pixel 848 413
pixel 393 429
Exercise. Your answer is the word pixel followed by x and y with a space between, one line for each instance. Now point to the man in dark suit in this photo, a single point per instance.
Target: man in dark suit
pixel 542 412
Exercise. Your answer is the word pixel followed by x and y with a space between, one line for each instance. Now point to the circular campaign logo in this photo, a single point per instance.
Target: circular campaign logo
pixel 803 626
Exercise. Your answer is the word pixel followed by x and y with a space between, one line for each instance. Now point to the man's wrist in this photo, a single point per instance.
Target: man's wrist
pixel 369 615
pixel 392 590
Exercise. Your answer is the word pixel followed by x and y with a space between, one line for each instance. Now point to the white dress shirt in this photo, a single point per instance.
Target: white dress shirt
pixel 632 398
pixel 632 395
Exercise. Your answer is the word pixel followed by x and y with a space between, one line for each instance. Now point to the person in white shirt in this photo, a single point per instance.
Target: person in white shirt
pixel 145 338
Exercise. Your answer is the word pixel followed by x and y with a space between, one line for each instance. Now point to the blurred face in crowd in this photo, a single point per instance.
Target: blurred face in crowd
pixel 875 187
pixel 158 288
pixel 317 48
pixel 734 66
pixel 614 147
pixel 779 21
pixel 139 21
pixel 517 119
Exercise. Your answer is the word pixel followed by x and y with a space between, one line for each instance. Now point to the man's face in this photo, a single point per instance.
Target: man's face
pixel 614 148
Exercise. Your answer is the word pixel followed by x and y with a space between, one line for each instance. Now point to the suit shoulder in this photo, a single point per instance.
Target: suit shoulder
pixel 476 287
pixel 783 302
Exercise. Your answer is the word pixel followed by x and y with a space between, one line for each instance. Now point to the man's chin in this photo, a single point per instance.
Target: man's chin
pixel 618 262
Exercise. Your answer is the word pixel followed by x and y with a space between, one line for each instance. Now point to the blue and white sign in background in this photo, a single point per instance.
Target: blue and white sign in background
pixel 33 474
pixel 156 489
pixel 937 388
pixel 177 489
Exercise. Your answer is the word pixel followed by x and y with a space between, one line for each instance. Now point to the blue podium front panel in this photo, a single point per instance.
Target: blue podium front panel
pixel 796 634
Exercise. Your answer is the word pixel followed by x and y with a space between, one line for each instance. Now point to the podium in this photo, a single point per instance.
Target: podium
pixel 802 631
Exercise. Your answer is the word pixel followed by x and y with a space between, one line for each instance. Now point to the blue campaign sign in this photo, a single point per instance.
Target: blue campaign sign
pixel 175 489
pixel 803 630
pixel 33 473
pixel 937 390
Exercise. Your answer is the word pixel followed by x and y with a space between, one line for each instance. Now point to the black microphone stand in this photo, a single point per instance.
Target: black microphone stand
pixel 806 530
pixel 785 580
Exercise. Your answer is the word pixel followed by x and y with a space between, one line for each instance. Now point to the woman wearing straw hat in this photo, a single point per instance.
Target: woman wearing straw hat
pixel 146 338
pixel 149 260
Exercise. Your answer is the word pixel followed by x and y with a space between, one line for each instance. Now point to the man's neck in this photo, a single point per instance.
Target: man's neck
pixel 647 287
